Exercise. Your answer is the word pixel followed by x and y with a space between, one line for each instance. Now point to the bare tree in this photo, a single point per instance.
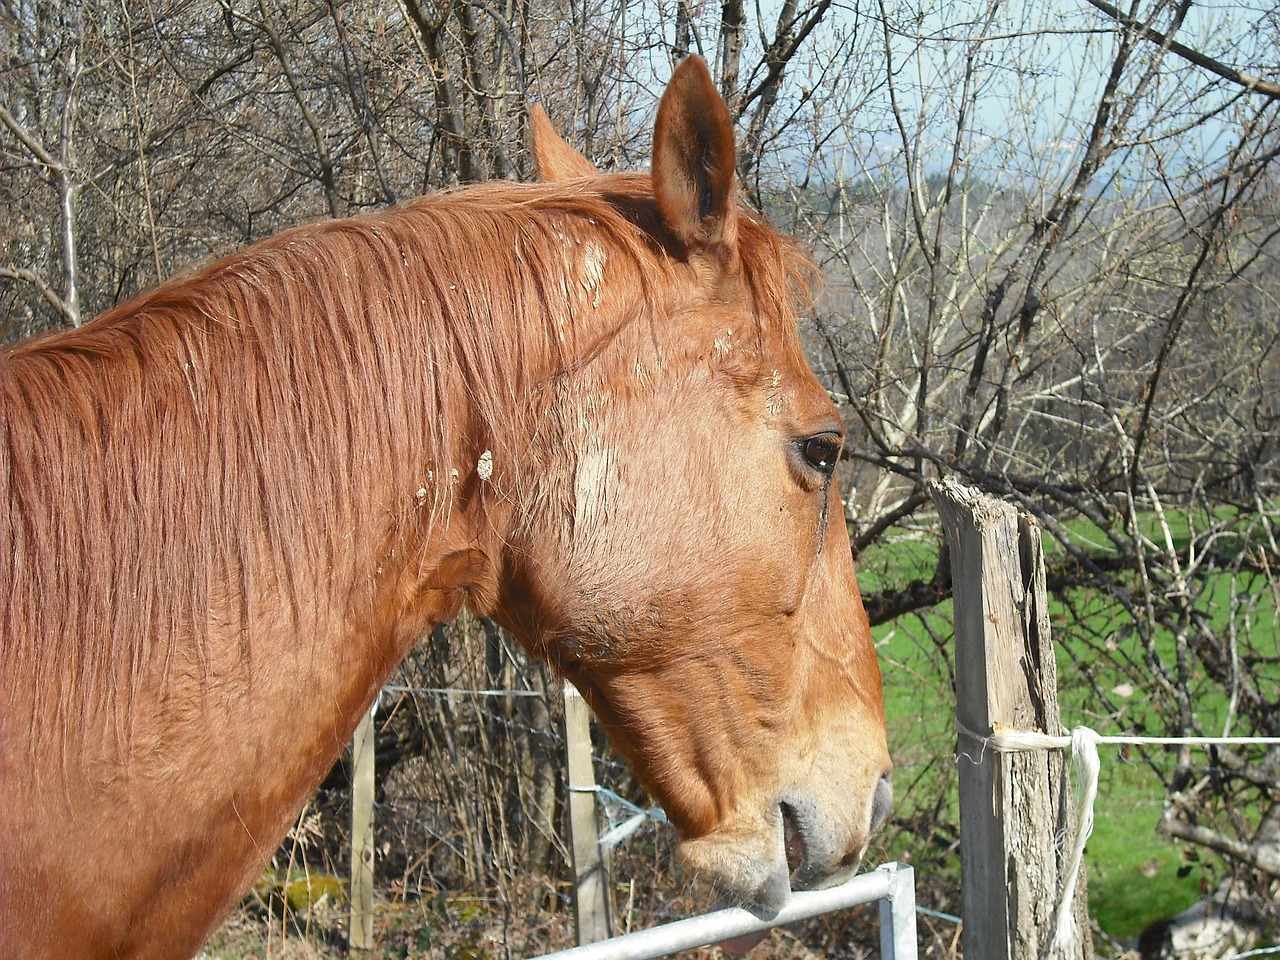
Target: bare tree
pixel 1067 301
pixel 1049 236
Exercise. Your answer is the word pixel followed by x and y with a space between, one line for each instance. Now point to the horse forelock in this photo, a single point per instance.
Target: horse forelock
pixel 205 451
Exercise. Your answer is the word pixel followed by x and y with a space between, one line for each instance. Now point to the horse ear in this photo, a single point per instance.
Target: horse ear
pixel 694 160
pixel 555 159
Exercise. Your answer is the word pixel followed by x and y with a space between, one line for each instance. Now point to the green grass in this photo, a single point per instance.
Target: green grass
pixel 1135 875
pixel 1134 872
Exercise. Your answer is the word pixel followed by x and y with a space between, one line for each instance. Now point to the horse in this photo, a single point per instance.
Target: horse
pixel 579 407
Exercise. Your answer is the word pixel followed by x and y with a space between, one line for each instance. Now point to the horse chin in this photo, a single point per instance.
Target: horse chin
pixel 747 869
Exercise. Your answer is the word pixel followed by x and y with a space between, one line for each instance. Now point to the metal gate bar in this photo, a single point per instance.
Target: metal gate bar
pixel 892 883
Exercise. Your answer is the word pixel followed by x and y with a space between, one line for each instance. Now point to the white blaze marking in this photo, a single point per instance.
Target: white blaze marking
pixel 775 401
pixel 592 270
pixel 589 486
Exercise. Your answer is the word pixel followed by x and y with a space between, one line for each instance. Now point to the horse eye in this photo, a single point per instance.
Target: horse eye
pixel 822 451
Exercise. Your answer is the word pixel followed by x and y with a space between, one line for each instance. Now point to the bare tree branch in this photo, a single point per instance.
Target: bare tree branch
pixel 1251 83
pixel 318 134
pixel 33 145
pixel 47 292
pixel 1264 857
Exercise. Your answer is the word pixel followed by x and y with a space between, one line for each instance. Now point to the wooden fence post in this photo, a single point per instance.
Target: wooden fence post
pixel 590 869
pixel 360 935
pixel 1014 808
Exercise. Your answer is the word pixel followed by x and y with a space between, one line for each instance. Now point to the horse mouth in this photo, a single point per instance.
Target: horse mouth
pixel 792 839
pixel 814 857
pixel 794 849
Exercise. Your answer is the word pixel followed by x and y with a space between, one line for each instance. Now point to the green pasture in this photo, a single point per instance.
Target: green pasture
pixel 1135 875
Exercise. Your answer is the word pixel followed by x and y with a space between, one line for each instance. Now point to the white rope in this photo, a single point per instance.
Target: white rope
pixel 1016 741
pixel 1083 743
pixel 1084 755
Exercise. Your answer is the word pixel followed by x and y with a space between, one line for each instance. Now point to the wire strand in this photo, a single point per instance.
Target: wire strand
pixel 1083 742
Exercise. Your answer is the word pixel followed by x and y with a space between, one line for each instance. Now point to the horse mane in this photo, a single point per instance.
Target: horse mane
pixel 264 402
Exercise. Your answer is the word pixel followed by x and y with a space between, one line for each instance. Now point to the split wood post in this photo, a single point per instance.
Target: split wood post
pixel 363 745
pixel 590 868
pixel 1015 809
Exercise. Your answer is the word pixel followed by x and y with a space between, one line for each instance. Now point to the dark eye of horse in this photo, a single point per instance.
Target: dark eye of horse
pixel 821 451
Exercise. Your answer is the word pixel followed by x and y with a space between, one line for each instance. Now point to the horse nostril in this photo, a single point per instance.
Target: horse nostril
pixel 882 802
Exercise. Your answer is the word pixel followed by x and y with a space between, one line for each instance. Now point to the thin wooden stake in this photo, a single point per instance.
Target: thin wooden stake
pixel 361 933
pixel 590 868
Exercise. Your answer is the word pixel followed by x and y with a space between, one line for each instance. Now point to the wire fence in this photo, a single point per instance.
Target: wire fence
pixel 471 837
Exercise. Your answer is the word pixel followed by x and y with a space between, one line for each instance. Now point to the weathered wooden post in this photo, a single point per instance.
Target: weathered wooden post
pixel 360 936
pixel 1014 808
pixel 590 868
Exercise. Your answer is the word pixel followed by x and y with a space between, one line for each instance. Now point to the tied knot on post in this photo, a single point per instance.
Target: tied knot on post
pixel 614 802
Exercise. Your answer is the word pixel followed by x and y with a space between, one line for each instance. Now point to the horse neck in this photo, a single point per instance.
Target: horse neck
pixel 319 489
pixel 279 485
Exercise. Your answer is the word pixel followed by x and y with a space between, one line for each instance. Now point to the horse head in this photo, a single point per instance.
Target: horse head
pixel 681 553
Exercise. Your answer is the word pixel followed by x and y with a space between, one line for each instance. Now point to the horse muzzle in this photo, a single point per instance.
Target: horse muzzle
pixel 819 851
pixel 798 844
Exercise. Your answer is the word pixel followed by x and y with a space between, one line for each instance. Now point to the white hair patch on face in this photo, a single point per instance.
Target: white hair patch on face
pixel 591 268
pixel 777 399
pixel 590 488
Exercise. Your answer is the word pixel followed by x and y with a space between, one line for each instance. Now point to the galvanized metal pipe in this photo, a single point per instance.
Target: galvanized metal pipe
pixel 892 882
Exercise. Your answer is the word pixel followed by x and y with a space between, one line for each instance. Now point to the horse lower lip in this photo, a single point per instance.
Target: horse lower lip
pixel 793 841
